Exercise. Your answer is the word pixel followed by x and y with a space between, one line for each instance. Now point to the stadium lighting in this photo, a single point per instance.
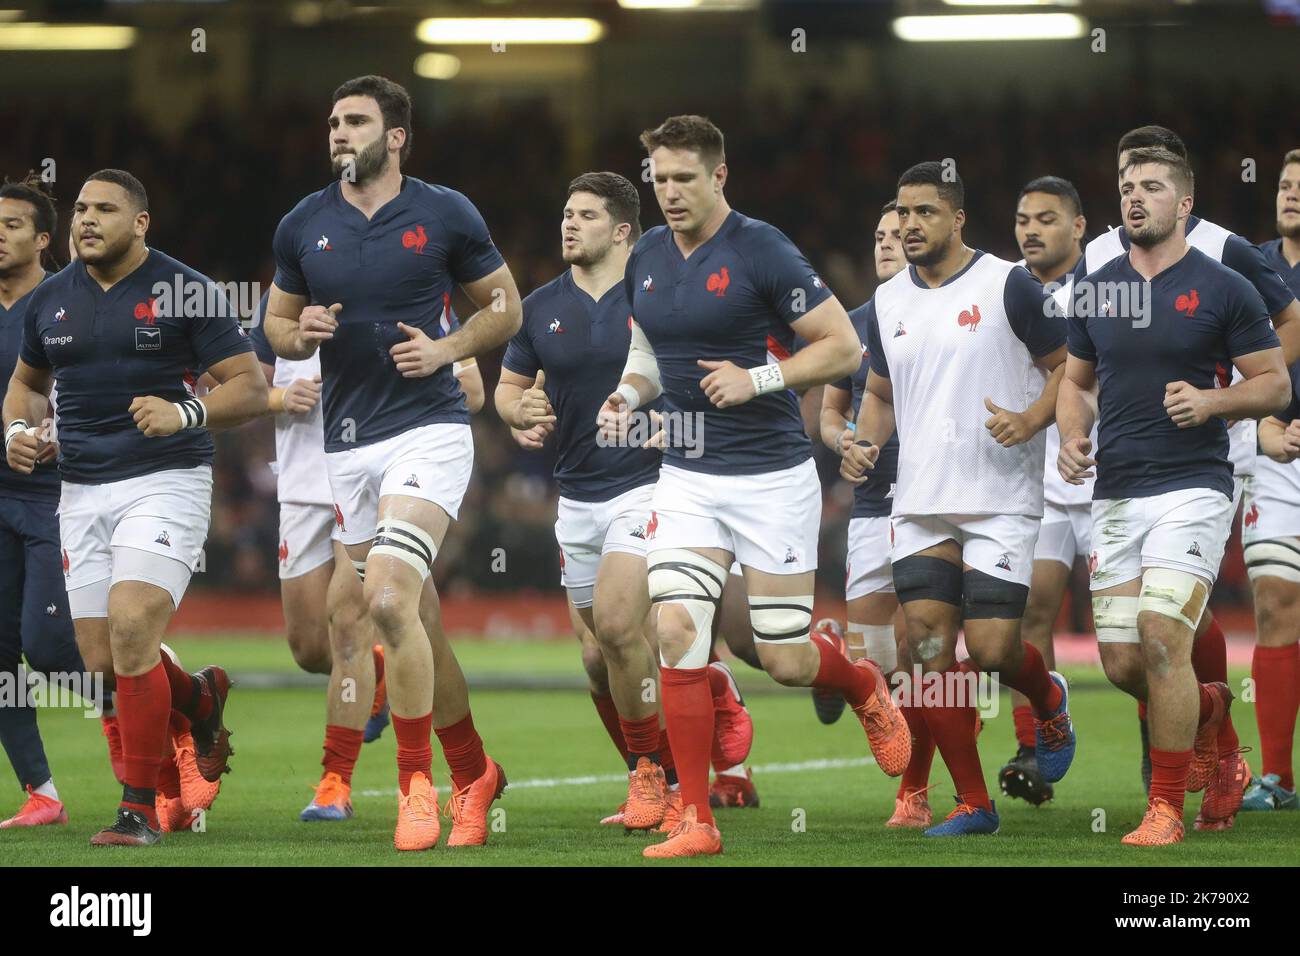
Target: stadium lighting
pixel 65 36
pixel 706 6
pixel 454 30
pixel 437 66
pixel 994 26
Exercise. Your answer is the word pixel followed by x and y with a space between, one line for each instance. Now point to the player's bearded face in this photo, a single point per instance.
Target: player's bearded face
pixel 103 234
pixel 587 231
pixel 889 247
pixel 17 236
pixel 1288 202
pixel 366 163
pixel 1149 204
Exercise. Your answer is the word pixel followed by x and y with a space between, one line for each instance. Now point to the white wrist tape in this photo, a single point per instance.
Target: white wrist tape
pixel 631 396
pixel 194 414
pixel 15 426
pixel 641 361
pixel 767 378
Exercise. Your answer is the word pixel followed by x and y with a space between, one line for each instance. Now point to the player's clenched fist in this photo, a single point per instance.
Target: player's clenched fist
pixel 1073 462
pixel 419 356
pixel 22 448
pixel 154 416
pixel 727 384
pixel 1186 404
pixel 534 407
pixel 612 419
pixel 317 323
pixel 1007 428
pixel 859 458
pixel 301 395
pixel 1291 440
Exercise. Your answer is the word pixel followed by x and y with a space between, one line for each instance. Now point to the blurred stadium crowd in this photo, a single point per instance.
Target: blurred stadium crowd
pixel 819 169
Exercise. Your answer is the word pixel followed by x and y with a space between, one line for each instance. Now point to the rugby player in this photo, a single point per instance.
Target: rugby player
pixel 135 459
pixel 707 290
pixel 873 629
pixel 1157 377
pixel 1270 533
pixel 365 268
pixel 557 371
pixel 36 623
pixel 1123 664
pixel 960 332
pixel 1050 227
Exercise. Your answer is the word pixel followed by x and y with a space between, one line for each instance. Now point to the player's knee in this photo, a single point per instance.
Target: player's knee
pixel 310 647
pixel 389 609
pixel 925 578
pixel 1039 615
pixel 1124 668
pixel 685 589
pixel 985 597
pixel 593 663
pixel 784 665
pixel 1277 603
pixel 617 625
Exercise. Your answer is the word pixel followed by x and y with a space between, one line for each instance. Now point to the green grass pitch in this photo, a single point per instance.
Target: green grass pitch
pixel 821 804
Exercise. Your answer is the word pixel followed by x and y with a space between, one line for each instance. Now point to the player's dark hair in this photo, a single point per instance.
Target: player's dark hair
pixel 1291 157
pixel 45 218
pixel 1144 137
pixel 1055 186
pixel 688 132
pixel 622 201
pixel 1178 165
pixel 120 177
pixel 889 207
pixel 936 174
pixel 394 103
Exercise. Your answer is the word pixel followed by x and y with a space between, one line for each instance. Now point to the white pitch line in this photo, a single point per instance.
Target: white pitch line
pixel 835 763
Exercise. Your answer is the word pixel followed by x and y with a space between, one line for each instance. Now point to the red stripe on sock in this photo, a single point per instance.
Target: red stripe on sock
pixel 614 724
pixel 836 672
pixel 463 748
pixel 342 747
pixel 1024 721
pixel 1276 671
pixel 1210 664
pixel 1169 775
pixel 1033 680
pixel 688 711
pixel 414 753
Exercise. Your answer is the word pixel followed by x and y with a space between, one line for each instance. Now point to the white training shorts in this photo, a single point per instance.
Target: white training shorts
pixel 1065 534
pixel 306 538
pixel 867 567
pixel 588 530
pixel 1185 530
pixel 998 545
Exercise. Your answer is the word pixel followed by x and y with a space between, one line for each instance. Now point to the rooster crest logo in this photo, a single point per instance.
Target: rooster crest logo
pixel 415 239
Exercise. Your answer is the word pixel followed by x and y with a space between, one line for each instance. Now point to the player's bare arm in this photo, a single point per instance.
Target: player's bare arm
pixel 1280 440
pixel 241 396
pixel 470 377
pixel 835 426
pixel 1014 428
pixel 521 402
pixel 875 426
pixel 28 390
pixel 294 327
pixel 500 313
pixel 833 351
pixel 639 384
pixel 1287 325
pixel 1265 389
pixel 1076 412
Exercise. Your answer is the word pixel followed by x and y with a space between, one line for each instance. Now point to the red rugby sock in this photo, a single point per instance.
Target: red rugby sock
pixel 1169 776
pixel 1276 671
pixel 1210 664
pixel 613 723
pixel 342 747
pixel 463 748
pixel 414 753
pixel 688 711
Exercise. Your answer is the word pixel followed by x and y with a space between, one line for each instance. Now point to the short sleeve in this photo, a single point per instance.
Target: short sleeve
pixel 1079 342
pixel 875 350
pixel 1032 313
pixel 471 252
pixel 628 281
pixel 1247 323
pixel 521 357
pixel 1246 258
pixel 216 338
pixel 288 267
pixel 33 350
pixel 784 277
pixel 257 335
